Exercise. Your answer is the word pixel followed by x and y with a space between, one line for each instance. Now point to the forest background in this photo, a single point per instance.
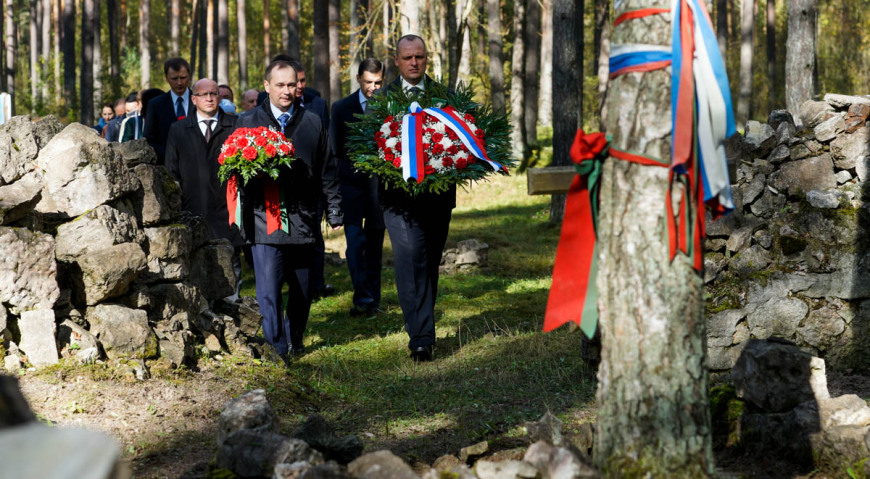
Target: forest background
pixel 67 57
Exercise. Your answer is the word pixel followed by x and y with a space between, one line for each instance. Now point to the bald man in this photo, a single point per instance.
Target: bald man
pixel 192 149
pixel 249 100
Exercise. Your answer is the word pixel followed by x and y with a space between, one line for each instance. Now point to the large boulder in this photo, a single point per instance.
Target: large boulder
pixel 849 149
pixel 108 273
pixel 122 331
pixel 168 252
pixel 175 306
pixel 159 199
pixel 20 141
pixel 814 173
pixel 255 453
pixel 80 172
pixel 250 411
pixel 19 198
pixel 135 152
pixel 319 434
pixel 211 270
pixel 38 342
pixel 773 376
pixel 759 139
pixel 380 464
pixel 96 230
pixel 28 271
pixel 814 112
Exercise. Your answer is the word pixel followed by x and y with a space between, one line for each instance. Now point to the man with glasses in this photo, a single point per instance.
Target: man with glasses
pixel 286 256
pixel 192 148
pixel 169 107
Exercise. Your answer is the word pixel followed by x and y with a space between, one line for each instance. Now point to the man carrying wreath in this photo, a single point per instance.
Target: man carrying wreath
pixel 286 254
pixel 418 225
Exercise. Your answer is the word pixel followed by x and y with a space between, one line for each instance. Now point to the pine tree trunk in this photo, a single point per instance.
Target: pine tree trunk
pixel 747 34
pixel 58 35
pixel 223 43
pixel 800 53
pixel 355 36
pixel 114 47
pixel 203 38
pixel 293 47
pixel 243 45
pixel 454 43
pixel 545 104
pixel 210 37
pixel 3 49
pixel 285 25
pixel 321 48
pixel 86 80
pixel 496 56
pixel 567 86
pixel 145 41
pixel 194 37
pixel 10 48
pixel 653 416
pixel 722 25
pixel 69 52
pixel 463 73
pixel 771 51
pixel 334 92
pixel 174 27
pixel 97 100
pixel 267 42
pixel 410 15
pixel 33 51
pixel 532 32
pixel 518 122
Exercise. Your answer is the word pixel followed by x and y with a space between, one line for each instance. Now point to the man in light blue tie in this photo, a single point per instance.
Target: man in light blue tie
pixel 166 109
pixel 285 256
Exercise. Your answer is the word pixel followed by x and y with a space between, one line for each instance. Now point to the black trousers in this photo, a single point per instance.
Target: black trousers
pixel 274 266
pixel 418 240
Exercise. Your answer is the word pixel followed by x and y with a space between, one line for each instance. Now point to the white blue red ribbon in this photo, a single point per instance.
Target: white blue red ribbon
pixel 412 139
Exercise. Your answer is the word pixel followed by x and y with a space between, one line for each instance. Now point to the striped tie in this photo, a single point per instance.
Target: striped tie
pixel 283 119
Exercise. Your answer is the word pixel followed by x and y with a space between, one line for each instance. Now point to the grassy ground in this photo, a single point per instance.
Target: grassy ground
pixel 494 368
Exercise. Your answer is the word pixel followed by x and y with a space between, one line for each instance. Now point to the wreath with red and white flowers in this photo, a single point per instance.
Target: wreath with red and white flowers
pixel 249 152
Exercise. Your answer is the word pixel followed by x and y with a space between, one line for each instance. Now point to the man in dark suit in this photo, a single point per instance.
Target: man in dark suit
pixel 363 218
pixel 169 107
pixel 192 148
pixel 286 256
pixel 418 225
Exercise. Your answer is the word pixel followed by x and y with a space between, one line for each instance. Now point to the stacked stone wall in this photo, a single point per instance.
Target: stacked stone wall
pixel 98 262
pixel 793 260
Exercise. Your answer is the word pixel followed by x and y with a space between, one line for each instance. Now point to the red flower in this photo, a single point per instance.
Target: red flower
pixel 221 159
pixel 397 162
pixel 249 153
pixel 469 118
pixel 452 135
pixel 379 135
pixel 292 150
pixel 394 133
pixel 273 136
pixel 453 149
pixel 472 160
pixel 389 157
pixel 394 126
pixel 261 141
pixel 270 150
pixel 388 119
pixel 461 163
pixel 242 142
pixel 437 137
pixel 437 148
pixel 428 169
pixel 230 151
pixel 447 162
pixel 284 148
pixel 399 146
pixel 480 134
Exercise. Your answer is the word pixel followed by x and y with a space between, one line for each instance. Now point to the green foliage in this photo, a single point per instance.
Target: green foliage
pixel 395 103
pixel 725 412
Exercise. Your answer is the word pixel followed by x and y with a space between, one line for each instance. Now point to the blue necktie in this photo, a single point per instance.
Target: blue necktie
pixel 283 119
pixel 179 111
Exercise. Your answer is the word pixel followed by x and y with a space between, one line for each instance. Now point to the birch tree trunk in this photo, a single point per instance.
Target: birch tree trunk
pixel 567 86
pixel 144 41
pixel 410 16
pixel 58 35
pixel 800 53
pixel 530 79
pixel 496 56
pixel 653 416
pixel 464 70
pixel 3 49
pixel 545 104
pixel 356 37
pixel 603 69
pixel 267 47
pixel 223 42
pixel 34 56
pixel 436 55
pixel 69 52
pixel 45 53
pixel 518 122
pixel 293 43
pixel 243 45
pixel 210 35
pixel 97 99
pixel 174 26
pixel 771 51
pixel 10 49
pixel 334 92
pixel 194 38
pixel 321 48
pixel 86 79
pixel 747 35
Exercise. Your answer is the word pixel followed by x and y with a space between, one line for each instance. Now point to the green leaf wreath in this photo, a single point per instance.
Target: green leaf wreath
pixel 392 105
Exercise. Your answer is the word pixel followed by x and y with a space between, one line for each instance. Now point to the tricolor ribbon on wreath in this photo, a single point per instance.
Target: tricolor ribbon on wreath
pixel 701 119
pixel 412 139
pixel 275 205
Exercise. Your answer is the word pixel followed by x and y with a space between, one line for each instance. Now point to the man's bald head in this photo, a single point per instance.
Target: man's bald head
pixel 249 99
pixel 206 97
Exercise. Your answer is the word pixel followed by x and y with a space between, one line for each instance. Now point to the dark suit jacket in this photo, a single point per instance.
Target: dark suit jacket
pixel 359 190
pixel 193 162
pixel 312 175
pixel 312 102
pixel 401 201
pixel 161 116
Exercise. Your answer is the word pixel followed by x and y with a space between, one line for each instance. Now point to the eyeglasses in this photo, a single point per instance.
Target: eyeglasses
pixel 207 94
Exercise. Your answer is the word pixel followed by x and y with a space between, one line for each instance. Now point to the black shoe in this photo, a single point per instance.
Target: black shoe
pixel 327 290
pixel 358 311
pixel 422 354
pixel 297 352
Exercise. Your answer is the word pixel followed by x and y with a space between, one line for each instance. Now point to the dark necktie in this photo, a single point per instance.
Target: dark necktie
pixel 179 110
pixel 208 129
pixel 283 119
pixel 415 90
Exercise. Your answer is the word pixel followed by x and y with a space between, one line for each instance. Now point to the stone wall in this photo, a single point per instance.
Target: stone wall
pixel 96 259
pixel 793 260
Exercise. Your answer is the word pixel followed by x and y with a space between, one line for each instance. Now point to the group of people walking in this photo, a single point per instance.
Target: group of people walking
pixel 187 126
